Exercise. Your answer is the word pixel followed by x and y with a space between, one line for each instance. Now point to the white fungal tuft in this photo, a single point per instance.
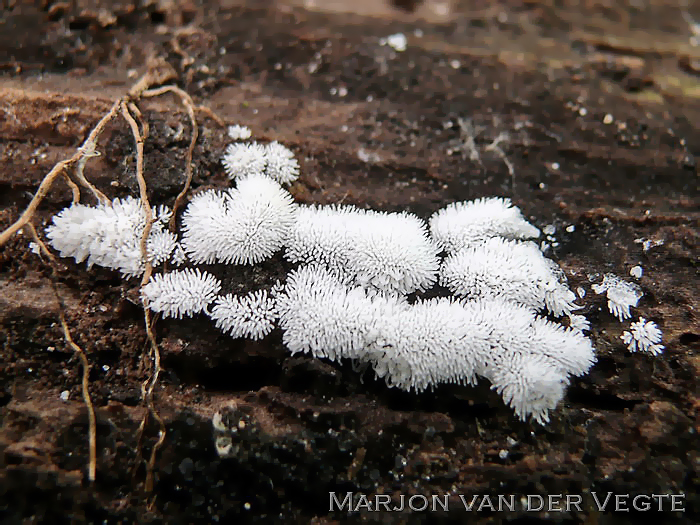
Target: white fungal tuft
pixel 644 336
pixel 245 225
pixel 512 270
pixel 252 315
pixel 160 246
pixel 274 160
pixel 462 224
pixel 281 164
pixel 566 349
pixel 321 315
pixel 238 132
pixel 621 295
pixel 529 386
pixel 429 343
pixel 203 222
pixel 109 235
pixel 350 297
pixel 179 256
pixel 579 323
pixel 243 160
pixel 385 252
pixel 414 347
pixel 181 293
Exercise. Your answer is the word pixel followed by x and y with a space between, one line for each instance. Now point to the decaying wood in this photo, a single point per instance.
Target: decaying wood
pixel 586 114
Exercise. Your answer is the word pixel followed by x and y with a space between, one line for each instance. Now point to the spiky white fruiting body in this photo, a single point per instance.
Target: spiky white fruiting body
pixel 463 224
pixel 621 295
pixel 252 315
pixel 579 323
pixel 238 132
pixel 179 256
pixel 181 293
pixel 160 245
pixel 280 163
pixel 321 315
pixel 385 252
pixel 109 235
pixel 429 343
pixel 203 222
pixel 530 386
pixel 435 341
pixel 273 160
pixel 447 341
pixel 512 270
pixel 245 225
pixel 566 349
pixel 644 336
pixel 244 160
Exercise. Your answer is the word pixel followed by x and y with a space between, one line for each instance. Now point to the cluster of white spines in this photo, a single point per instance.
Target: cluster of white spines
pixel 321 315
pixel 348 299
pixel 415 346
pixel 530 386
pixel 109 235
pixel 252 315
pixel 181 293
pixel 387 252
pixel 463 224
pixel 579 323
pixel 508 269
pixel 273 160
pixel 429 343
pixel 621 295
pixel 281 164
pixel 245 225
pixel 644 336
pixel 238 132
pixel 161 245
pixel 243 160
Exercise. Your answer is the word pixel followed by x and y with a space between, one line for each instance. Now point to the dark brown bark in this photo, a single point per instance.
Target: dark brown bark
pixel 599 100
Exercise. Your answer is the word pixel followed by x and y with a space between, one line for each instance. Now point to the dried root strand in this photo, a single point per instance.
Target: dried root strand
pixel 92 465
pixel 148 386
pixel 190 107
pixel 75 165
pixel 80 156
pixel 74 188
pixel 92 421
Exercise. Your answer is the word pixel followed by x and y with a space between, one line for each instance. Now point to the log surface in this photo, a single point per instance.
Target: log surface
pixel 599 102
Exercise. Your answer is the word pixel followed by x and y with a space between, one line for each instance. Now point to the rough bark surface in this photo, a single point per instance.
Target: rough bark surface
pixel 599 101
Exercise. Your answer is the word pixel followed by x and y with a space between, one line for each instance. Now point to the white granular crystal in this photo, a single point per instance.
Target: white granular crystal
pixel 398 42
pixel 636 272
